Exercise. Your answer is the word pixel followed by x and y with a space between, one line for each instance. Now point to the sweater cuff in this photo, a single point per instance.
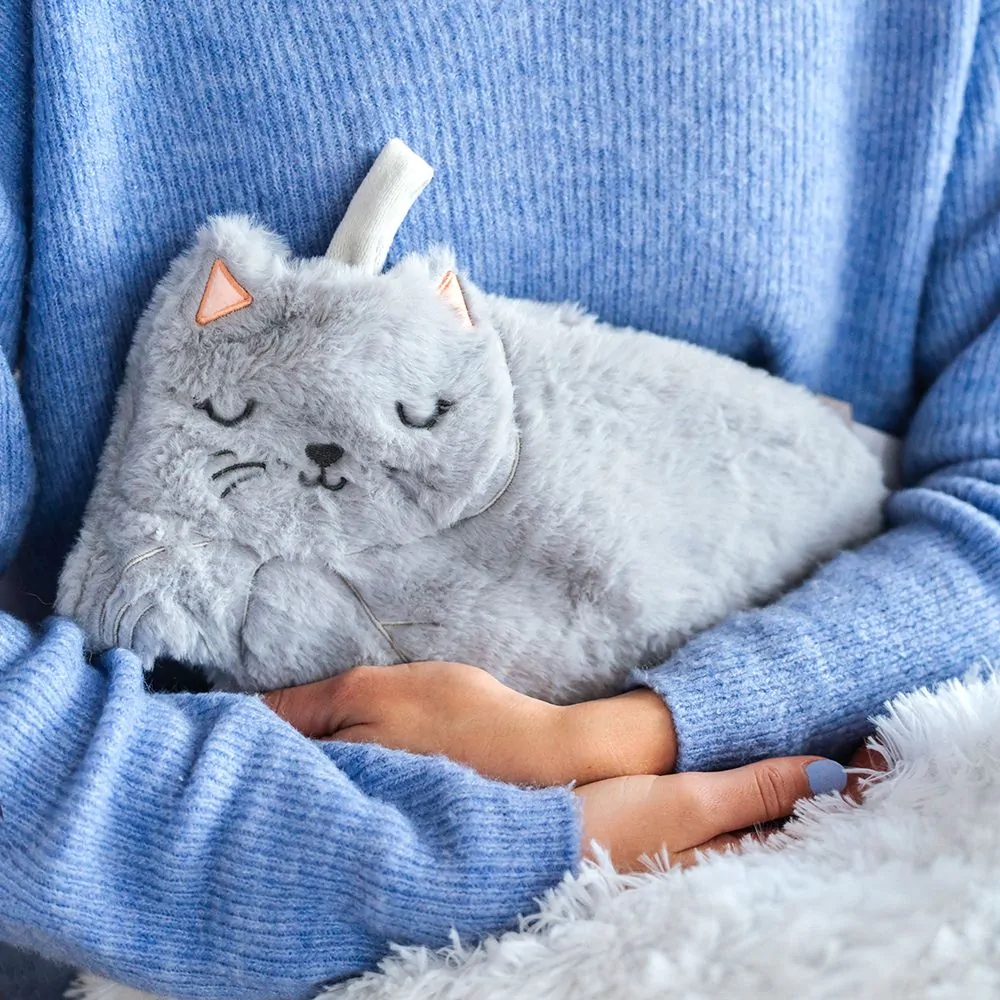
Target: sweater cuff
pixel 709 707
pixel 495 848
pixel 537 835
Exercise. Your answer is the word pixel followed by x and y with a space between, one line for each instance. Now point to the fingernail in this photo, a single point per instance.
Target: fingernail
pixel 826 776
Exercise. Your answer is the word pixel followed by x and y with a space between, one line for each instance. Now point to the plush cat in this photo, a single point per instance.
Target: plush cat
pixel 336 468
pixel 314 466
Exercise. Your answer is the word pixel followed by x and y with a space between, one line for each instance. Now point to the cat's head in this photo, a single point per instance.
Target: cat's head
pixel 303 407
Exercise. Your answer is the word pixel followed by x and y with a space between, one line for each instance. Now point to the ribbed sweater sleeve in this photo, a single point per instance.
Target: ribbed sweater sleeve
pixel 195 845
pixel 921 602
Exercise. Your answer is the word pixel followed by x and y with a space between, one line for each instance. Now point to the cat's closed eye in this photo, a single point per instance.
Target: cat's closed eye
pixel 209 409
pixel 440 408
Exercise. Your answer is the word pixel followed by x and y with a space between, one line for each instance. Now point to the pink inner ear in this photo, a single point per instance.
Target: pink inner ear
pixel 223 295
pixel 450 289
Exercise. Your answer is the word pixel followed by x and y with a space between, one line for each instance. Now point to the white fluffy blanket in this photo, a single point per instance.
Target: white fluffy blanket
pixel 899 897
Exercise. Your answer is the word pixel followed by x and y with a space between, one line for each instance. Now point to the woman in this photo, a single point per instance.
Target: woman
pixel 810 187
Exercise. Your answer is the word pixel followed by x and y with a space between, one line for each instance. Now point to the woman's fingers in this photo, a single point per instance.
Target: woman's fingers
pixel 358 734
pixel 638 816
pixel 319 709
pixel 757 793
pixel 717 845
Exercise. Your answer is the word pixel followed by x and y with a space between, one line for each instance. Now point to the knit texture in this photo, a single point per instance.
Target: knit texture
pixel 811 187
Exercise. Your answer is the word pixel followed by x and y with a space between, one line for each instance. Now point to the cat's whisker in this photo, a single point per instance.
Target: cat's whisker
pixel 236 467
pixel 243 471
pixel 236 482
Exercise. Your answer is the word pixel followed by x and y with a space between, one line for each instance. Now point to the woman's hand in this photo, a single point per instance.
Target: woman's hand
pixel 686 813
pixel 464 713
pixel 467 715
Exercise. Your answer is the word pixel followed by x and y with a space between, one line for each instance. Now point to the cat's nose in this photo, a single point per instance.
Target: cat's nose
pixel 324 454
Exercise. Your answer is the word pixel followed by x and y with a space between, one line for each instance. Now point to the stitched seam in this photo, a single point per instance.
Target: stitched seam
pixel 246 612
pixel 122 611
pixel 135 624
pixel 134 561
pixel 379 626
pixel 504 488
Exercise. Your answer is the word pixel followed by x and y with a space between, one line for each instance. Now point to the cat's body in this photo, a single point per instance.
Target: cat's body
pixel 545 496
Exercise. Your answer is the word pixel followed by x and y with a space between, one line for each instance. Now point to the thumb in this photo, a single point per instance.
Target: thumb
pixel 763 792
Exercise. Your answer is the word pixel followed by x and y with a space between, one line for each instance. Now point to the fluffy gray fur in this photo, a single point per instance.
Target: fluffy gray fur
pixel 657 487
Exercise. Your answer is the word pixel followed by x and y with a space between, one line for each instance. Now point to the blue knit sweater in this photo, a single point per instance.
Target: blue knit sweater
pixel 812 187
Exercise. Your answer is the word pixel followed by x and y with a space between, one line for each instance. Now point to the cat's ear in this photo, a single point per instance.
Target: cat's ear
pixel 223 295
pixel 233 265
pixel 449 290
pixel 438 268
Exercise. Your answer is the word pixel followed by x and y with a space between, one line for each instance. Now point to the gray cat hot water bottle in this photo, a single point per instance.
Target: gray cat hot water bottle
pixel 314 465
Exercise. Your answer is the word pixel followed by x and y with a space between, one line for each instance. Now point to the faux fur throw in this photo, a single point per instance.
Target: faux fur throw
pixel 312 466
pixel 899 897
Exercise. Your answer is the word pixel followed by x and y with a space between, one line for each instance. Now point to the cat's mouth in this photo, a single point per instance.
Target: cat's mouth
pixel 320 480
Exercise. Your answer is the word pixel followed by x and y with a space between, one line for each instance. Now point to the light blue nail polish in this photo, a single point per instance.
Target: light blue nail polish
pixel 826 776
